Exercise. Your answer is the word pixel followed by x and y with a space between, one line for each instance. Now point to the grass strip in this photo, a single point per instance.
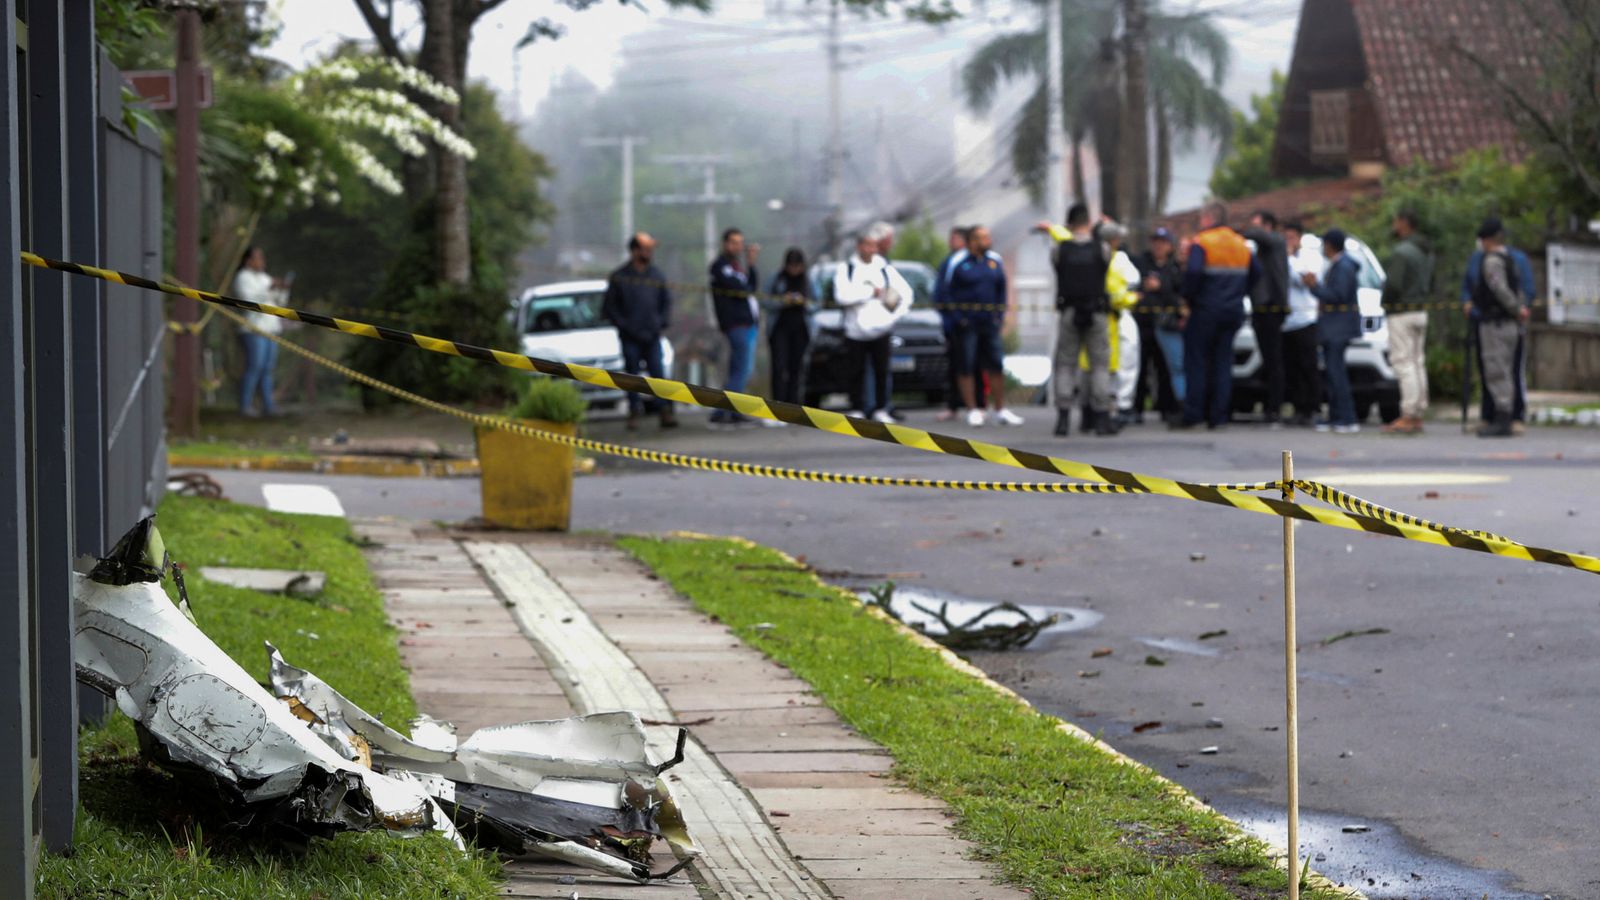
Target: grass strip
pixel 143 833
pixel 233 450
pixel 1056 814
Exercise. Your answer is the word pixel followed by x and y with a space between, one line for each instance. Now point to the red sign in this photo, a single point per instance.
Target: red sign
pixel 159 87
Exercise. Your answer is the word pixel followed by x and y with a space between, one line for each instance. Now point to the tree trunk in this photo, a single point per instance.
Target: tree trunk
pixel 1136 116
pixel 1108 127
pixel 446 32
pixel 1078 187
pixel 1163 180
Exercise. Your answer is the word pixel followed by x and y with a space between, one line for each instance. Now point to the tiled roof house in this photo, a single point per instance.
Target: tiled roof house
pixel 1381 83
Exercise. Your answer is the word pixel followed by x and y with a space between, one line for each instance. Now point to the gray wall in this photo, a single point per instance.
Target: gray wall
pixel 81 394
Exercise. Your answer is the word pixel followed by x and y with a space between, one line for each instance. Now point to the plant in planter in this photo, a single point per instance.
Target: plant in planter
pixel 526 482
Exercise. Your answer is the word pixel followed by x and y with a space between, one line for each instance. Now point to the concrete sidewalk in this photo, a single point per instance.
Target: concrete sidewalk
pixel 784 798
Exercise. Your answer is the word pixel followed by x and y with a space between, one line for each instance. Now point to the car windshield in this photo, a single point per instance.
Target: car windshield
pixel 1371 275
pixel 563 312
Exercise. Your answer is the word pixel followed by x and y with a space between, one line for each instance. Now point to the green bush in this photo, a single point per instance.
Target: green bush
pixel 551 400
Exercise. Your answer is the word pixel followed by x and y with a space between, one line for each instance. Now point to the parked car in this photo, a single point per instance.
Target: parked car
pixel 1372 379
pixel 917 364
pixel 562 322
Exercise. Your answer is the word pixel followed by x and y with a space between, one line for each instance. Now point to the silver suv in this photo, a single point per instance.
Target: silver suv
pixel 1372 379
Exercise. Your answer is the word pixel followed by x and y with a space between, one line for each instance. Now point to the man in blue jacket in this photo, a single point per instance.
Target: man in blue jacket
pixel 733 297
pixel 941 297
pixel 1338 323
pixel 977 296
pixel 1525 284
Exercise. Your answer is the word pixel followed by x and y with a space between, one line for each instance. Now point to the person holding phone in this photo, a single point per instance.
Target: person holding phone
pixel 789 331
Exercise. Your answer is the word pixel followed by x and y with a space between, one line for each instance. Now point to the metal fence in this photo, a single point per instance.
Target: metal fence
pixel 81 446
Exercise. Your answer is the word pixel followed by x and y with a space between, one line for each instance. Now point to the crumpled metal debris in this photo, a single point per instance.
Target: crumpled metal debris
pixel 199 713
pixel 976 633
pixel 581 789
pixel 306 761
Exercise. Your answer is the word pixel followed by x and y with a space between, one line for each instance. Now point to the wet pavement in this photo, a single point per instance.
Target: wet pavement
pixel 1468 725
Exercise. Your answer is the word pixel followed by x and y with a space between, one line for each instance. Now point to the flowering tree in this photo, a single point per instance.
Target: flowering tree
pixel 319 136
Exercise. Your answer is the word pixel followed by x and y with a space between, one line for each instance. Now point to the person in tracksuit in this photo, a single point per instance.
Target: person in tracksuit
pixel 1219 273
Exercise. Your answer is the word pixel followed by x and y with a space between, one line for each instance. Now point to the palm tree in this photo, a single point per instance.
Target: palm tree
pixel 1187 60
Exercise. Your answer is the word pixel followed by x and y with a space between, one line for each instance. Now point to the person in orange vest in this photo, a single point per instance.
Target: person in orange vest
pixel 1219 273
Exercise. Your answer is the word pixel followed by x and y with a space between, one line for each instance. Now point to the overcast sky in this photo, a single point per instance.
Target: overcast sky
pixel 766 32
pixel 1262 33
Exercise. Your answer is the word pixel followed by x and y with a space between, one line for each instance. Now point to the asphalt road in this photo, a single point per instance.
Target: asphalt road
pixel 1463 736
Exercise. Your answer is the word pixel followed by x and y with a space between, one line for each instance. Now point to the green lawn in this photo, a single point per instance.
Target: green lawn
pixel 235 450
pixel 144 834
pixel 1057 815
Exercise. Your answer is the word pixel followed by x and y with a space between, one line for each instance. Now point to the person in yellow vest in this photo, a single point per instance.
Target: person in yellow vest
pixel 1094 351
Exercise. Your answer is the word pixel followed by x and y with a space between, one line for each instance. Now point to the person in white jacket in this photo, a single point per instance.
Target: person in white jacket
pixel 1126 375
pixel 874 297
pixel 260 352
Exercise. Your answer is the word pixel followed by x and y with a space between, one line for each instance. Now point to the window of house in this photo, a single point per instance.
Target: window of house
pixel 1330 123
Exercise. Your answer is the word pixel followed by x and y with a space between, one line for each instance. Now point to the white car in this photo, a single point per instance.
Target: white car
pixel 1372 379
pixel 562 322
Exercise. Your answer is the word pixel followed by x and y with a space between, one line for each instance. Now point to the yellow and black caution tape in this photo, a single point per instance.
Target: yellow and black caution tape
pixel 701 463
pixel 901 435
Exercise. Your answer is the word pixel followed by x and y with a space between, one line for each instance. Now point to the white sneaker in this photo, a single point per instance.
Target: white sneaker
pixel 1352 428
pixel 975 418
pixel 883 416
pixel 774 423
pixel 1007 417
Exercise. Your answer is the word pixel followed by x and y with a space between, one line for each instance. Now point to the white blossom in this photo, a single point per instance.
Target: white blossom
pixel 278 142
pixel 368 167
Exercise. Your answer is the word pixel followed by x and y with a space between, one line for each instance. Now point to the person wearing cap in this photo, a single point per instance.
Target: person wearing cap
pixel 1160 341
pixel 1501 314
pixel 1526 285
pixel 1338 323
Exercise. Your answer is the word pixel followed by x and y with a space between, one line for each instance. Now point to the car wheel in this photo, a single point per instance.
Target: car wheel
pixel 934 398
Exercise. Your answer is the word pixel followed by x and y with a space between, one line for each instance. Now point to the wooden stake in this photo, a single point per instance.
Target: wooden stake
pixel 1291 700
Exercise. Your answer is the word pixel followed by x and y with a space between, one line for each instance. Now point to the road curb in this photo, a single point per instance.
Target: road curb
pixel 1278 855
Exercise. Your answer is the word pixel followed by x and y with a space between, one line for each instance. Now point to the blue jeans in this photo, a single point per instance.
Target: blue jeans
pixel 741 356
pixel 1208 365
pixel 1171 344
pixel 1341 401
pixel 643 355
pixel 260 355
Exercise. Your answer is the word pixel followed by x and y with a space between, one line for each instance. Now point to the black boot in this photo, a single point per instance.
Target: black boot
pixel 1500 427
pixel 1105 424
pixel 1063 422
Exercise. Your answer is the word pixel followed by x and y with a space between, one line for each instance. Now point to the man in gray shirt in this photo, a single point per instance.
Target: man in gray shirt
pixel 1501 314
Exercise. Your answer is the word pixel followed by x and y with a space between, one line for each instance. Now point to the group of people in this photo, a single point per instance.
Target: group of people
pixel 1181 318
pixel 1157 328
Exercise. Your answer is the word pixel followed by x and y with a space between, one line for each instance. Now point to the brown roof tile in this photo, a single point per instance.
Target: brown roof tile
pixel 1432 104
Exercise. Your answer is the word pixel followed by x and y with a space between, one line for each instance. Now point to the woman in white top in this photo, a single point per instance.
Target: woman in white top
pixel 260 352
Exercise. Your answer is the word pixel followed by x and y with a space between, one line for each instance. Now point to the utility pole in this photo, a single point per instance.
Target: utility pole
pixel 1055 192
pixel 186 206
pixel 709 197
pixel 1136 118
pixel 627 143
pixel 833 170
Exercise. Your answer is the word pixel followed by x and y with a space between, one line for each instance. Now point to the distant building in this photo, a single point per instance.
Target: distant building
pixel 1379 84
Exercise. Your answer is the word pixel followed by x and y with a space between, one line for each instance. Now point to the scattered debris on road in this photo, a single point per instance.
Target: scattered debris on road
pixel 977 632
pixel 1350 634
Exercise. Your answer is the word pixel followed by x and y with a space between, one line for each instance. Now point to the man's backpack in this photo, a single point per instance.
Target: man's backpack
pixel 1483 298
pixel 1081 276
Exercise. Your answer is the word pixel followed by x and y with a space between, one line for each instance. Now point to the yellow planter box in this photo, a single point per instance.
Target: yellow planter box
pixel 526 483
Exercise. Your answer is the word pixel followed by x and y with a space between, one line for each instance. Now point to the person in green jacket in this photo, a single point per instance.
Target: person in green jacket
pixel 1406 292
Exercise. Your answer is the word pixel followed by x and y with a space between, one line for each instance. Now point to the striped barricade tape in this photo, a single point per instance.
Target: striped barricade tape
pixel 905 436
